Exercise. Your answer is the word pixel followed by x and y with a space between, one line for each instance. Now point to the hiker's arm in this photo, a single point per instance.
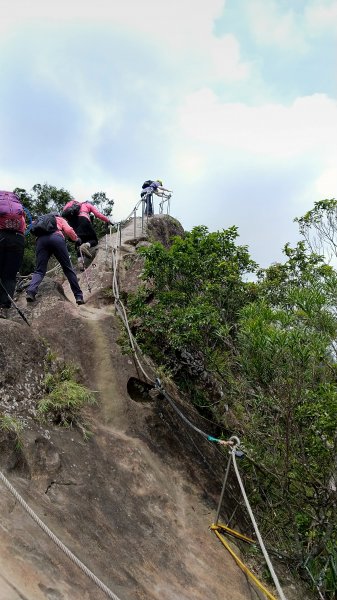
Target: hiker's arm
pixel 162 189
pixel 64 226
pixel 97 214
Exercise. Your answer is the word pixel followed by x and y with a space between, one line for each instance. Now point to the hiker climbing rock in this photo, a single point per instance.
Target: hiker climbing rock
pixel 12 228
pixel 49 230
pixel 78 216
pixel 149 188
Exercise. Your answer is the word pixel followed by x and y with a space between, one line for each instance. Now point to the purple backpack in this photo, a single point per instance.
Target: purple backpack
pixel 11 210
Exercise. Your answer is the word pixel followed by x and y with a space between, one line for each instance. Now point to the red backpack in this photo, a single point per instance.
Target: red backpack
pixel 11 211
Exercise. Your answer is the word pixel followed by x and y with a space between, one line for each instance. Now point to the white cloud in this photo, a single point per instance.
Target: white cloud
pixel 176 20
pixel 274 130
pixel 321 16
pixel 290 30
pixel 179 29
pixel 272 26
pixel 225 56
pixel 326 184
pixel 190 163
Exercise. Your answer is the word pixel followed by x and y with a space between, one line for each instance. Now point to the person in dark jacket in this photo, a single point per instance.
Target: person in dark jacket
pixel 12 228
pixel 54 244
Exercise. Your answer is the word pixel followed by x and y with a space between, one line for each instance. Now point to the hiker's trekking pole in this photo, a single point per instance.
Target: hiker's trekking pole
pixel 22 315
pixel 85 271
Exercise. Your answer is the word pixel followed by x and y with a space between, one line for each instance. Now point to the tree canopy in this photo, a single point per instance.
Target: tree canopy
pixel 259 358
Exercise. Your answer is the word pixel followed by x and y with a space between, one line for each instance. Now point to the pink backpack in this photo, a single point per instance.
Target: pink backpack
pixel 11 211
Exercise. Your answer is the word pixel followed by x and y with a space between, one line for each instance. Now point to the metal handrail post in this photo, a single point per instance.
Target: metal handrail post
pixel 223 489
pixel 134 223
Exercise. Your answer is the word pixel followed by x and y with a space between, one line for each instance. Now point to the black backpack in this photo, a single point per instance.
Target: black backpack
pixel 72 211
pixel 146 184
pixel 44 225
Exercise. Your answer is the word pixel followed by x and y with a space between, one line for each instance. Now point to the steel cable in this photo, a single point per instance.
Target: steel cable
pixel 57 541
pixel 256 529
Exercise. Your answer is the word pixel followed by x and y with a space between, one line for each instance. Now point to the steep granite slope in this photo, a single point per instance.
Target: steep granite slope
pixel 130 501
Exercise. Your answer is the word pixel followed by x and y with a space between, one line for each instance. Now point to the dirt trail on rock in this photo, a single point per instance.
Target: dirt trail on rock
pixel 127 502
pixel 106 381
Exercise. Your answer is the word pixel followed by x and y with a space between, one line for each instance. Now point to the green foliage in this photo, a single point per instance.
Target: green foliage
pixel 270 346
pixel 319 228
pixel 65 398
pixel 286 345
pixel 12 426
pixel 105 206
pixel 185 313
pixel 64 402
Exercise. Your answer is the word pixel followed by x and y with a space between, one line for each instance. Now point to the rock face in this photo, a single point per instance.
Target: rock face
pixel 22 356
pixel 135 500
pixel 162 228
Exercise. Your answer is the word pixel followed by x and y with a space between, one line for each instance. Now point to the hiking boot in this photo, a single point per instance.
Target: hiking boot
pixel 30 297
pixel 3 312
pixel 85 248
pixel 79 301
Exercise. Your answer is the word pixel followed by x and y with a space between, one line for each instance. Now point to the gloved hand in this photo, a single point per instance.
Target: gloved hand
pixel 111 222
pixel 78 243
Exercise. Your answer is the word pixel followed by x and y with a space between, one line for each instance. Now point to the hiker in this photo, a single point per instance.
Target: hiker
pixel 12 228
pixel 49 230
pixel 78 216
pixel 149 188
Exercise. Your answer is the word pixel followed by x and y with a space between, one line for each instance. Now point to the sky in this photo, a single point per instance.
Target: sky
pixel 232 103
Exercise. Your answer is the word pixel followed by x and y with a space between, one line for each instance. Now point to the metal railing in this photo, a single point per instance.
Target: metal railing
pixel 140 211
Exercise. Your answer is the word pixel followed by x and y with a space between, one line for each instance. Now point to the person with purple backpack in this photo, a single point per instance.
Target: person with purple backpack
pixel 12 241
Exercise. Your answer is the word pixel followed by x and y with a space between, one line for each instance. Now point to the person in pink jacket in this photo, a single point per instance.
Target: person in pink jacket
pixel 54 244
pixel 81 223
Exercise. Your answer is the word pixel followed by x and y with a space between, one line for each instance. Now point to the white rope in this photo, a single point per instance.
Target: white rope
pixel 56 268
pixel 258 535
pixel 56 540
pixel 122 313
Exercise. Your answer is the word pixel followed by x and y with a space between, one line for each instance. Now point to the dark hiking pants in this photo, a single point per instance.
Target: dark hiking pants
pixel 46 246
pixel 11 256
pixel 148 205
pixel 85 231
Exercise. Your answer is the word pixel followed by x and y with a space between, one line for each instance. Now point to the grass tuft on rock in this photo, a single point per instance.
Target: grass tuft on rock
pixel 65 398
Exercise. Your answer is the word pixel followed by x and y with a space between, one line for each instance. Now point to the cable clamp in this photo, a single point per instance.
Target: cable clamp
pixel 236 442
pixel 158 384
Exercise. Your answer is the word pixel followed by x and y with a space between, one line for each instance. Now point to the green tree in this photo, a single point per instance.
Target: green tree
pixel 105 206
pixel 186 312
pixel 287 356
pixel 269 347
pixel 319 228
